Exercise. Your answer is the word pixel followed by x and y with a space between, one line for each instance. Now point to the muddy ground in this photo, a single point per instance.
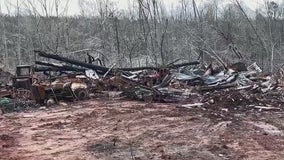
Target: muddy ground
pixel 128 130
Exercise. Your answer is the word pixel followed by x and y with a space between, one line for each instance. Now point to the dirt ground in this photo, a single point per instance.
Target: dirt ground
pixel 128 130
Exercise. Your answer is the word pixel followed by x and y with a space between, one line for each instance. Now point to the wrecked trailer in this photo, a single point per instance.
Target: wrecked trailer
pixel 26 83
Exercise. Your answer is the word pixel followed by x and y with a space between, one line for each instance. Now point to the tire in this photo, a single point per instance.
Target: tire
pixel 81 94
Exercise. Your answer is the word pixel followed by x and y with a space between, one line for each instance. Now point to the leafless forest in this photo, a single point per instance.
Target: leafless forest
pixel 145 33
pixel 201 80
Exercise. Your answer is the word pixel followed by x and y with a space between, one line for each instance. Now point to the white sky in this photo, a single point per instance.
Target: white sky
pixel 74 9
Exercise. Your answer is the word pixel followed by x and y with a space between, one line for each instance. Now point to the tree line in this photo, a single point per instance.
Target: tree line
pixel 146 33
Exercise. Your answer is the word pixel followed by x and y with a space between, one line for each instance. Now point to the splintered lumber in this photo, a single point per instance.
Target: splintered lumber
pixel 103 70
pixel 189 106
pixel 218 87
pixel 266 108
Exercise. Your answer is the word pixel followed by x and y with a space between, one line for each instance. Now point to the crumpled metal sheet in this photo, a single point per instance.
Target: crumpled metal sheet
pixel 184 77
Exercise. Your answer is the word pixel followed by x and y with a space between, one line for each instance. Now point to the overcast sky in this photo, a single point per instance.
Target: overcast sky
pixel 74 9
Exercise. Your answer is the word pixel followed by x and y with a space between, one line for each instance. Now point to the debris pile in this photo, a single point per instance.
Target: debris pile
pixel 236 86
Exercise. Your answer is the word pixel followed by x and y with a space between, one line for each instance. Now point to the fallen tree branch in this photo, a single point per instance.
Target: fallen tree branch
pixel 103 70
pixel 62 67
pixel 98 69
pixel 55 69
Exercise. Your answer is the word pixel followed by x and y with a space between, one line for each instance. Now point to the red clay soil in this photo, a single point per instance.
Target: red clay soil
pixel 128 130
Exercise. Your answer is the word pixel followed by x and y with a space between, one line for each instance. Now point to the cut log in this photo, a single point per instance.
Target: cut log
pixel 218 87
